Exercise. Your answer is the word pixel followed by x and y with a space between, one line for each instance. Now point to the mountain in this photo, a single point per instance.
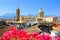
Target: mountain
pixel 8 15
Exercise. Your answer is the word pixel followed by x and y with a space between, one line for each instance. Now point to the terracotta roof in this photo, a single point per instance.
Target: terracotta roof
pixel 56 27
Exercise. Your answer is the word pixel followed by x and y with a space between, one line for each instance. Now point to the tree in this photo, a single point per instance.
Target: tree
pixel 45 28
pixel 2 24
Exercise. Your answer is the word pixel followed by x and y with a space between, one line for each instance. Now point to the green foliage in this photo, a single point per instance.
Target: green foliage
pixel 2 23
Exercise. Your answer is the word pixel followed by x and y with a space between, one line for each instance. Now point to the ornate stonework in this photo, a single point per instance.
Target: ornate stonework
pixel 40 13
pixel 32 18
pixel 16 18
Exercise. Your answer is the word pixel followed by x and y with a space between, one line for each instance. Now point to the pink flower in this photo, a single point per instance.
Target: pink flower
pixel 28 37
pixel 6 35
pixel 15 34
pixel 43 36
pixel 22 33
pixel 34 34
pixel 58 38
pixel 13 31
pixel 54 37
pixel 12 28
pixel 1 38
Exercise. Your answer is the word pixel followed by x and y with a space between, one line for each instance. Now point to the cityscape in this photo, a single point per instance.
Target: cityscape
pixel 30 26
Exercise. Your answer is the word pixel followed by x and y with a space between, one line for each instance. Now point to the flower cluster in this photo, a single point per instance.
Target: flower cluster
pixel 14 34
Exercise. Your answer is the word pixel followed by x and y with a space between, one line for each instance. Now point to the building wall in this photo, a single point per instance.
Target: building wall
pixel 40 15
pixel 17 16
pixel 21 18
pixel 30 18
pixel 50 19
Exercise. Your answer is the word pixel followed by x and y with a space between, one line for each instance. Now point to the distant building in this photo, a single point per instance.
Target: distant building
pixel 32 18
pixel 40 13
pixel 16 18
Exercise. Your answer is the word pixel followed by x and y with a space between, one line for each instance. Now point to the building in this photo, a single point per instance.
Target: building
pixel 22 21
pixel 16 18
pixel 40 13
pixel 32 18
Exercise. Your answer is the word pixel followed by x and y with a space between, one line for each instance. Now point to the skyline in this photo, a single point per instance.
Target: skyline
pixel 50 7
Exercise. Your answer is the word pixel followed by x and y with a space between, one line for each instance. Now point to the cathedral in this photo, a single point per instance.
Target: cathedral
pixel 39 18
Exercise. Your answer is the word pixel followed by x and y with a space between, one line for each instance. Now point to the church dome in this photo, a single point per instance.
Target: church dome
pixel 40 11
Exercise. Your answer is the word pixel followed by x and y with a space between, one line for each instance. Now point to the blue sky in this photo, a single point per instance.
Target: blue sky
pixel 50 7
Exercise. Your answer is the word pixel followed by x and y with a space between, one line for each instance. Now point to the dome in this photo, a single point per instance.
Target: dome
pixel 40 11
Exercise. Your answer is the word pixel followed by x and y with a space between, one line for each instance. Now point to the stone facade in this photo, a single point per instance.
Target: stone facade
pixel 40 13
pixel 31 18
pixel 16 18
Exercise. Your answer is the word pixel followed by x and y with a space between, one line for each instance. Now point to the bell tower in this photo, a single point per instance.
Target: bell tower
pixel 40 13
pixel 17 14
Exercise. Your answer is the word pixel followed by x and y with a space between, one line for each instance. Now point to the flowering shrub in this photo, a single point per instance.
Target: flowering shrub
pixel 43 36
pixel 58 38
pixel 15 34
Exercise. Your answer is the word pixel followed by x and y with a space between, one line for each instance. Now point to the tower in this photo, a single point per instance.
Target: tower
pixel 17 14
pixel 40 13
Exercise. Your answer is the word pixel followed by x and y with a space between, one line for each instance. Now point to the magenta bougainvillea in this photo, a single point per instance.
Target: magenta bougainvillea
pixel 14 34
